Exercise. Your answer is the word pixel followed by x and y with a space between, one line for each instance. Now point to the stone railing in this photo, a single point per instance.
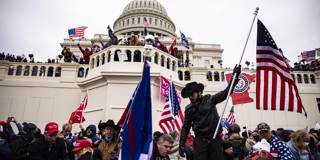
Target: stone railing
pixel 41 70
pixel 132 54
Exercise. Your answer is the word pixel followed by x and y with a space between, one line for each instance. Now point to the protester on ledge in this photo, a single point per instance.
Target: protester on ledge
pixel 86 54
pixel 201 114
pixel 67 54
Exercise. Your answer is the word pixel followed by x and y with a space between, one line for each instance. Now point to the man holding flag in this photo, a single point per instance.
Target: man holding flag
pixel 201 114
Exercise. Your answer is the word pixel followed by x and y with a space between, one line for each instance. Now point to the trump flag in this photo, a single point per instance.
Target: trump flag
pixel 240 93
pixel 137 129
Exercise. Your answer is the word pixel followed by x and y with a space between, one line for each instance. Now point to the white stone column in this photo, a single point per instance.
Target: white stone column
pixel 4 68
pixel 184 58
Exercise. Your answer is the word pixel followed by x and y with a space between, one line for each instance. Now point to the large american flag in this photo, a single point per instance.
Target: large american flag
pixel 308 55
pixel 171 117
pixel 231 119
pixel 76 32
pixel 275 88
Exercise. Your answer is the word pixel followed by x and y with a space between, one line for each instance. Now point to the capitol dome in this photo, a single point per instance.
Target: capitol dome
pixel 133 15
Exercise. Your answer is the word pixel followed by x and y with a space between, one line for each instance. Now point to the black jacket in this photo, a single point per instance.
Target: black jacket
pixel 202 115
pixel 40 149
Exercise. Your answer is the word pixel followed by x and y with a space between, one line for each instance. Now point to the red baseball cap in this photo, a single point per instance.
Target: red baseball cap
pixel 52 128
pixel 80 144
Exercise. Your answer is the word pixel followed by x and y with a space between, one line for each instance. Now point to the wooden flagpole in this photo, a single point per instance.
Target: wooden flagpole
pixel 234 76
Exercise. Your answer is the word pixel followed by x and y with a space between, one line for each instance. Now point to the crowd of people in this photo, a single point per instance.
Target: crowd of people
pixel 103 142
pixel 18 58
pixel 303 66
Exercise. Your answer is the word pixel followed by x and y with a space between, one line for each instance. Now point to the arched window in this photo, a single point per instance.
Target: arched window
pixel 293 77
pixel 136 56
pixel 92 63
pixel 312 79
pixel 216 76
pixel 11 70
pixel 116 55
pixel 180 74
pixel 34 71
pixel 162 60
pixel 103 58
pixel 80 72
pixel 156 57
pixel 58 72
pixel 26 71
pixel 98 61
pixel 50 72
pixel 209 76
pixel 173 65
pixel 128 53
pixel 87 71
pixel 222 76
pixel 187 76
pixel 42 71
pixel 168 63
pixel 109 56
pixel 299 79
pixel 19 71
pixel 306 78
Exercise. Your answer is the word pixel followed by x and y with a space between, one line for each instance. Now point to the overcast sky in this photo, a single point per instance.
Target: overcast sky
pixel 38 26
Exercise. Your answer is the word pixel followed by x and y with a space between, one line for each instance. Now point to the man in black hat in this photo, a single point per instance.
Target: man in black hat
pixel 201 114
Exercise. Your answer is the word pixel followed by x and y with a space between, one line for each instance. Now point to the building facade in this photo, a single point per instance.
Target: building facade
pixel 42 92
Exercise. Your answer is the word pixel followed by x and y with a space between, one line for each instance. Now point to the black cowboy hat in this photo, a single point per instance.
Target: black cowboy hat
pixel 109 124
pixel 191 87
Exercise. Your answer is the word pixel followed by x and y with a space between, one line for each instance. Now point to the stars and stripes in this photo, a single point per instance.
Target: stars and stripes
pixel 275 88
pixel 308 55
pixel 146 24
pixel 77 32
pixel 171 117
pixel 231 118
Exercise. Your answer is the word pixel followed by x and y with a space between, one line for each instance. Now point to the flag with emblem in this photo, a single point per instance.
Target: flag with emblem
pixel 240 94
pixel 275 87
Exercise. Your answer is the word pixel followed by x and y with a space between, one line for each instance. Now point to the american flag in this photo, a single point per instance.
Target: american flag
pixel 308 55
pixel 231 119
pixel 77 32
pixel 146 24
pixel 275 88
pixel 171 117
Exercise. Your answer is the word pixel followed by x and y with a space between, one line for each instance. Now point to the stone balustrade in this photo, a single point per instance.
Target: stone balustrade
pixel 132 54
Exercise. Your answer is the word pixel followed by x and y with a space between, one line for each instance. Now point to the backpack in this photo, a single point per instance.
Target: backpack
pixel 239 148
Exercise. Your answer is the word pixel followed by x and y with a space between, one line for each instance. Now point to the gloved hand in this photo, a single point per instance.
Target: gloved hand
pixel 237 70
pixel 182 150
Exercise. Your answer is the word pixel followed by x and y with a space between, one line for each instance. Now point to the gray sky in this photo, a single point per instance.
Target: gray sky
pixel 38 26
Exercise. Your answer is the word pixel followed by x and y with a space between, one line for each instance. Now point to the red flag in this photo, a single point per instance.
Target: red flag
pixel 240 93
pixel 172 45
pixel 77 116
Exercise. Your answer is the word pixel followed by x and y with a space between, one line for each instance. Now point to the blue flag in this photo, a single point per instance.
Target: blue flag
pixel 137 130
pixel 184 40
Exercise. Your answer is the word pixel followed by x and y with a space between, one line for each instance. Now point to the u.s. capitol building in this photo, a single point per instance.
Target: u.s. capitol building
pixel 42 92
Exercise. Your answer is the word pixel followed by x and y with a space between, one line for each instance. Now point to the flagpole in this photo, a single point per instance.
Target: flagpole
pixel 234 76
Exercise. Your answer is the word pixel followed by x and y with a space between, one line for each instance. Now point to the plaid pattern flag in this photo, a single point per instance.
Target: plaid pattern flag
pixel 77 116
pixel 308 55
pixel 184 40
pixel 77 32
pixel 171 117
pixel 231 118
pixel 275 88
